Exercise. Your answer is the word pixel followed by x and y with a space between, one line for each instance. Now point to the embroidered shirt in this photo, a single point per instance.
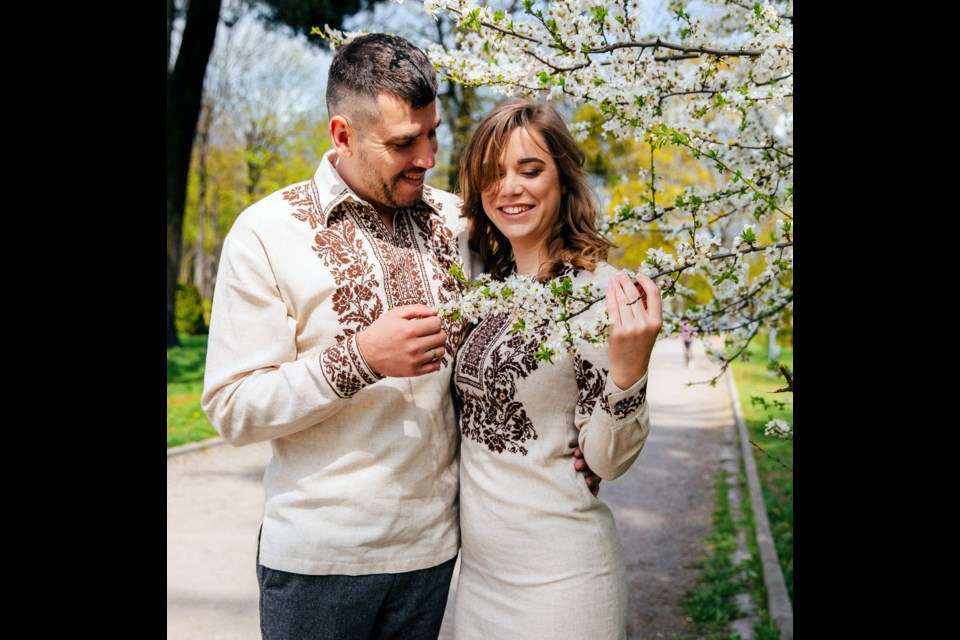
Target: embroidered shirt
pixel 364 473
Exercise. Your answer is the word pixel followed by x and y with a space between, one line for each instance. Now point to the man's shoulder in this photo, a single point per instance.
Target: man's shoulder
pixel 292 202
pixel 448 205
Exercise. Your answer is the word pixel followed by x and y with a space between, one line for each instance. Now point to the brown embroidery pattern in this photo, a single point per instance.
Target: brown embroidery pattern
pixel 494 417
pixel 623 408
pixel 591 381
pixel 300 200
pixel 404 273
pixel 345 369
pixel 438 237
pixel 355 303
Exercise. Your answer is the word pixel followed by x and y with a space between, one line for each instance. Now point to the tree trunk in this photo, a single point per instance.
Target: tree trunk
pixel 184 95
pixel 203 149
pixel 214 263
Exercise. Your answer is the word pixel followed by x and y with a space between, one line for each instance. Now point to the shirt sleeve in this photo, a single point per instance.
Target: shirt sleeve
pixel 613 422
pixel 255 386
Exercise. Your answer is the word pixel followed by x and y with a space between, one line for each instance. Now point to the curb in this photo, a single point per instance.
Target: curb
pixel 778 602
pixel 194 446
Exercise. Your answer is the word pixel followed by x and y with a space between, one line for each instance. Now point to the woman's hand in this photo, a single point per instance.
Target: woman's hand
pixel 635 320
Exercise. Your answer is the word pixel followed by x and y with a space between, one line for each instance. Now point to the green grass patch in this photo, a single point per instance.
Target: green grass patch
pixel 711 605
pixel 774 456
pixel 766 629
pixel 186 421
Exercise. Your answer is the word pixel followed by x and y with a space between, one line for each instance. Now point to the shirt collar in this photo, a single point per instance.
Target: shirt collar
pixel 330 189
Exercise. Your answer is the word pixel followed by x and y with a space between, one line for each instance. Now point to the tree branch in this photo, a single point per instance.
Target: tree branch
pixel 719 256
pixel 676 47
pixel 555 68
pixel 683 56
pixel 789 378
pixel 659 274
pixel 770 456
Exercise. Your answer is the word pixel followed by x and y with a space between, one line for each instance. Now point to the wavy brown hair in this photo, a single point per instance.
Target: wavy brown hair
pixel 574 239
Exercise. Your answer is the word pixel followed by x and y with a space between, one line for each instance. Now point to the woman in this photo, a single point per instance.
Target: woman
pixel 540 555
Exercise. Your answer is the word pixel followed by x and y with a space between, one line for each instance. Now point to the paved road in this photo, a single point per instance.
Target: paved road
pixel 662 506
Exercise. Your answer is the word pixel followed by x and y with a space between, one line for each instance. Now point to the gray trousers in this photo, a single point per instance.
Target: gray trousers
pixel 382 606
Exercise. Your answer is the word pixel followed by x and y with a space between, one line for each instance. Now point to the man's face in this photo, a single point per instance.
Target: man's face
pixel 395 151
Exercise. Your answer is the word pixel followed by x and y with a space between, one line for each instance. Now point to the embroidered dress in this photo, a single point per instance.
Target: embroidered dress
pixel 540 555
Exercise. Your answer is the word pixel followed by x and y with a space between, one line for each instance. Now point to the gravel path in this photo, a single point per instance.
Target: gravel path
pixel 662 506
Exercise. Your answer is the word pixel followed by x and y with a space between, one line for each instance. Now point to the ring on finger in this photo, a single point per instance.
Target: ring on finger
pixel 433 355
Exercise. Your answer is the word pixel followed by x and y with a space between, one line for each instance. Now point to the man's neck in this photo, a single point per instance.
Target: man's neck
pixel 387 215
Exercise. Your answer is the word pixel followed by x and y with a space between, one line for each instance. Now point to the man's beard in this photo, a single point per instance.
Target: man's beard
pixel 387 194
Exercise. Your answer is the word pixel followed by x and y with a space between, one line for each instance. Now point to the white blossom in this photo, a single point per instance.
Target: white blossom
pixel 777 427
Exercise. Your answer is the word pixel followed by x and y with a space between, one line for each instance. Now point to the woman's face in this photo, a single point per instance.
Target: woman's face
pixel 525 202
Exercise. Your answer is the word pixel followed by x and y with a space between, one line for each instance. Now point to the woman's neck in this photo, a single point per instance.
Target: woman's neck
pixel 528 260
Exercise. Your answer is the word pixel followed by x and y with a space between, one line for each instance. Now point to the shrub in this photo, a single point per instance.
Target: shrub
pixel 190 310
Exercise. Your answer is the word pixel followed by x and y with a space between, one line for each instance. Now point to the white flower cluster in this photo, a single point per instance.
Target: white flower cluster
pixel 567 316
pixel 713 79
pixel 777 427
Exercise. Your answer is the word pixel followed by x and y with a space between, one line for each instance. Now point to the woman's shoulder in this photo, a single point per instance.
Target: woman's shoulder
pixel 601 273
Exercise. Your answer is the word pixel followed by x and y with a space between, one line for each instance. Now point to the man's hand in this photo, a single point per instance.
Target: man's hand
pixel 592 479
pixel 404 342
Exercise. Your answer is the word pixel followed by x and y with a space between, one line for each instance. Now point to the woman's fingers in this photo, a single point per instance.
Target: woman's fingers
pixel 613 308
pixel 651 293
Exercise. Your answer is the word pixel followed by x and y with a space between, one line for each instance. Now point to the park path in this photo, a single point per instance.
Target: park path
pixel 662 506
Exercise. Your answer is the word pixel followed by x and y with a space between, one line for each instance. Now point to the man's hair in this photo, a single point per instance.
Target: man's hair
pixel 574 239
pixel 378 63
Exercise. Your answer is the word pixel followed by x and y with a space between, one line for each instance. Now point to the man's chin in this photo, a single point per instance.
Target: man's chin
pixel 409 198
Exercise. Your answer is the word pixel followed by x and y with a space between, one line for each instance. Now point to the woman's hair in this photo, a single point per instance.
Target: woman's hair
pixel 573 239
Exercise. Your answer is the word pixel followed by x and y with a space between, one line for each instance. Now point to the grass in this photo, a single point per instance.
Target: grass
pixel 711 605
pixel 186 421
pixel 774 456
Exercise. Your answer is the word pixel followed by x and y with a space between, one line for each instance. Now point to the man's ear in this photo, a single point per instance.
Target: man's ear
pixel 342 136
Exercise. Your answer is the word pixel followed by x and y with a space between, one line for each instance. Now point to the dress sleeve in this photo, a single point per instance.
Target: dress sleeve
pixel 255 387
pixel 613 422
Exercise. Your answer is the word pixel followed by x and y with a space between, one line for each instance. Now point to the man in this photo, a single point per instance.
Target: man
pixel 323 341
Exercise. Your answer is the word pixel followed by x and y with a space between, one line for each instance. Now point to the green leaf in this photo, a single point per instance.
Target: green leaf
pixel 506 292
pixel 472 21
pixel 543 353
pixel 457 273
pixel 528 6
pixel 518 326
pixel 498 15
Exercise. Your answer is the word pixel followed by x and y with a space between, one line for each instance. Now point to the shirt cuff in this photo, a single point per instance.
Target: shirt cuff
pixel 623 404
pixel 345 370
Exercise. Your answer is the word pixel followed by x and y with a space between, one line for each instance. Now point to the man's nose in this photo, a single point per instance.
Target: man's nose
pixel 425 157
